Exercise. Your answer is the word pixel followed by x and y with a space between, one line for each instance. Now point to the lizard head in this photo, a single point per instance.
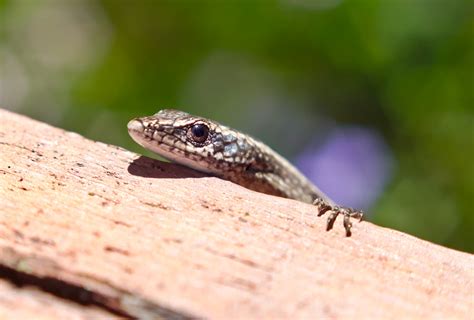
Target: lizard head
pixel 196 142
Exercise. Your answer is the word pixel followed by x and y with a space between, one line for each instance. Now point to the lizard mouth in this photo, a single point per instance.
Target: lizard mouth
pixel 136 130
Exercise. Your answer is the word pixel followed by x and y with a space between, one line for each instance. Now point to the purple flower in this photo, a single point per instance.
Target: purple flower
pixel 352 166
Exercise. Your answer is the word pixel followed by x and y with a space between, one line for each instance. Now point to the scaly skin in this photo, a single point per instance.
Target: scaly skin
pixel 210 147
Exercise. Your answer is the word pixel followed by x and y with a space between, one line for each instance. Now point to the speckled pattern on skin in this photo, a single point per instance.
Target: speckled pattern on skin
pixel 208 146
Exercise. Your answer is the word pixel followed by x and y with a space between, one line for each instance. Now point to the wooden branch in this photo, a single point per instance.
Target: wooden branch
pixel 90 230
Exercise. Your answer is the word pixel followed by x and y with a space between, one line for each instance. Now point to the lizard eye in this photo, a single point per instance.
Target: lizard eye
pixel 199 132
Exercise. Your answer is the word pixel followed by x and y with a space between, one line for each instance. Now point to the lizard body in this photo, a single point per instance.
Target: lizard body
pixel 208 146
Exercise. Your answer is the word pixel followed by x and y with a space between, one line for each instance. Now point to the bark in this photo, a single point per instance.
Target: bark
pixel 89 230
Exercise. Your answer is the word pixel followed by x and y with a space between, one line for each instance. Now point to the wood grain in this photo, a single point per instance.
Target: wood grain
pixel 97 231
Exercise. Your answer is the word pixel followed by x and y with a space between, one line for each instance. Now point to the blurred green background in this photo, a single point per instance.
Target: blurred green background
pixel 394 77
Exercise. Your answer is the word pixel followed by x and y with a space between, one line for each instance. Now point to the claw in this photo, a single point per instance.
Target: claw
pixel 322 206
pixel 347 213
pixel 347 224
pixel 331 219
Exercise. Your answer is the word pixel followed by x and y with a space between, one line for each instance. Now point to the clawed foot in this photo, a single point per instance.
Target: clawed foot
pixel 334 211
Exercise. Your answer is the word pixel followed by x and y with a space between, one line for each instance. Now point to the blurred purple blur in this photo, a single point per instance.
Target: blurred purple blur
pixel 352 166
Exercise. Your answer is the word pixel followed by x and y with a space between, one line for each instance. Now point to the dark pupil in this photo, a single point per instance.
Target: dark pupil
pixel 199 132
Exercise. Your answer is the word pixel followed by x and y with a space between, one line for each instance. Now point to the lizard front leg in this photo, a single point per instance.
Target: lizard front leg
pixel 334 211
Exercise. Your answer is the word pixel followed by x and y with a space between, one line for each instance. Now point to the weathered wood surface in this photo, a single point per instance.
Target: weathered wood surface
pixel 85 222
